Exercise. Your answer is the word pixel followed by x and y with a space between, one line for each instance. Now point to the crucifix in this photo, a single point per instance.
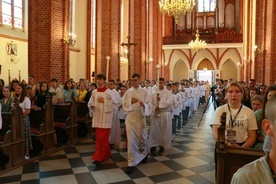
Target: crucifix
pixel 128 45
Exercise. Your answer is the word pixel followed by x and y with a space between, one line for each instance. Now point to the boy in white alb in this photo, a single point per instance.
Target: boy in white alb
pixel 101 104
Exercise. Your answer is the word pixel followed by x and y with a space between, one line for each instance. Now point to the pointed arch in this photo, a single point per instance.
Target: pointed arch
pixel 229 69
pixel 205 64
pixel 182 52
pixel 180 71
pixel 208 54
pixel 220 63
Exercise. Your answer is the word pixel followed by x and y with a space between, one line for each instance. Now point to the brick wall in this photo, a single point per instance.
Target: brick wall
pixel 48 23
pixel 265 36
pixel 108 37
pixel 149 45
pixel 137 27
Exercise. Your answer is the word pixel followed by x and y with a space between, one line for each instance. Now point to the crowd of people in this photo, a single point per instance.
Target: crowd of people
pixel 251 97
pixel 33 95
pixel 248 110
pixel 165 105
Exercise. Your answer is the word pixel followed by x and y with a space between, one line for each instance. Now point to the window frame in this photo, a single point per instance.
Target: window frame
pixel 204 1
pixel 2 24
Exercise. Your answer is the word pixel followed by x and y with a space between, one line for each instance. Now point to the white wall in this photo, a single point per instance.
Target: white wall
pixel 20 63
pixel 78 53
pixel 18 37
pixel 218 54
pixel 229 70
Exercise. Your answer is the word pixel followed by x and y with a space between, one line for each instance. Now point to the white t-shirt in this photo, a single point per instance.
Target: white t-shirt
pixel 26 104
pixel 56 94
pixel 244 121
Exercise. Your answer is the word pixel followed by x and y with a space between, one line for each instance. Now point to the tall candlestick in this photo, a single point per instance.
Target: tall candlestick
pixel 9 77
pixel 158 75
pixel 107 67
pixel 19 77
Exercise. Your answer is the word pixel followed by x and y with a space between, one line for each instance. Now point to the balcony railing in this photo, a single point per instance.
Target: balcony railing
pixel 208 38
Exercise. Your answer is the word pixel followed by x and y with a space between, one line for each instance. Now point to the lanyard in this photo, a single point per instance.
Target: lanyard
pixel 273 174
pixel 231 118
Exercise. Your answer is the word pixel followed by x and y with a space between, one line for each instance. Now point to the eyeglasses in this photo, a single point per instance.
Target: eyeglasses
pixel 134 79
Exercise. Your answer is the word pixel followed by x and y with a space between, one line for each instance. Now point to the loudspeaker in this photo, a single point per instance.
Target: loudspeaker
pixel 93 74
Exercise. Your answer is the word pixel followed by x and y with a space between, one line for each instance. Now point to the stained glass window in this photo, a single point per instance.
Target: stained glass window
pixel 12 13
pixel 6 12
pixel 206 5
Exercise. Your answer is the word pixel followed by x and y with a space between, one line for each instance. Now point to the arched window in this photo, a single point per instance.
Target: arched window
pixel 206 5
pixel 12 13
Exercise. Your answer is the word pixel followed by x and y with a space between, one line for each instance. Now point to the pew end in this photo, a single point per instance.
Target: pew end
pixel 65 123
pixel 84 120
pixel 38 131
pixel 18 137
pixel 51 139
pixel 230 159
pixel 6 141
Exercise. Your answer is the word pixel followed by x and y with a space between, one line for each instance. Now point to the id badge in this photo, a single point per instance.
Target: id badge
pixel 231 136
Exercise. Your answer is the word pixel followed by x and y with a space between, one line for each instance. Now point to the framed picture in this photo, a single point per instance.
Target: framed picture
pixel 11 49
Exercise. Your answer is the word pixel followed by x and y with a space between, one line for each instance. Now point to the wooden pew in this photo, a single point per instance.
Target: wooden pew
pixel 51 139
pixel 65 121
pixel 62 123
pixel 42 126
pixel 6 140
pixel 38 130
pixel 74 123
pixel 84 120
pixel 230 159
pixel 18 138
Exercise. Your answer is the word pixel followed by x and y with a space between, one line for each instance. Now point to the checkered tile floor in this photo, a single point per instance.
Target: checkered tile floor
pixel 190 160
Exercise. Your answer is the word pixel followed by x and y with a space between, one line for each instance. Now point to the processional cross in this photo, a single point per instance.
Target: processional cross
pixel 128 45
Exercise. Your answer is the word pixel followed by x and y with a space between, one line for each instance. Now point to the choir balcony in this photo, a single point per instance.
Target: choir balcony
pixel 208 37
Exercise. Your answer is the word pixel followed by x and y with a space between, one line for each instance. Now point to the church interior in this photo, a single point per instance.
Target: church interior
pixel 78 39
pixel 66 37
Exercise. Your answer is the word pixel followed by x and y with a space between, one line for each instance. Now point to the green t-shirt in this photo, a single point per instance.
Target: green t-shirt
pixel 257 171
pixel 258 115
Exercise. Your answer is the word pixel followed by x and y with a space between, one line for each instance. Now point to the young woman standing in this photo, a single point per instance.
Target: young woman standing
pixel 6 102
pixel 25 104
pixel 41 97
pixel 241 126
pixel 240 120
